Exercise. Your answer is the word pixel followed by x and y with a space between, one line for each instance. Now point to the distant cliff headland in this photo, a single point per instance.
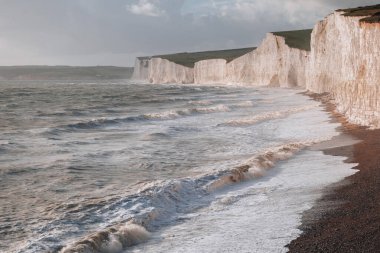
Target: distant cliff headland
pixel 341 55
pixel 64 73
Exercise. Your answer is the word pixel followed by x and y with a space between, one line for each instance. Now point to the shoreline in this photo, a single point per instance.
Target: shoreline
pixel 347 217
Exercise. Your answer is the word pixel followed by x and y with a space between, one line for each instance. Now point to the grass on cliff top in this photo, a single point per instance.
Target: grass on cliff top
pixel 189 59
pixel 297 39
pixel 371 13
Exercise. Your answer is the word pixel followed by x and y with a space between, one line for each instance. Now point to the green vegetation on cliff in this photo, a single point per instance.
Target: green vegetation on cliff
pixel 371 13
pixel 297 39
pixel 189 59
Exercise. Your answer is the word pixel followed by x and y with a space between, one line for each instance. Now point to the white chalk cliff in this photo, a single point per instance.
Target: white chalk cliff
pixel 212 71
pixel 157 70
pixel 273 63
pixel 344 60
pixel 164 71
pixel 141 69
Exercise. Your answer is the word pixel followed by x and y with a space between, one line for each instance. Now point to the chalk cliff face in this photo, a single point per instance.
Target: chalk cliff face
pixel 157 70
pixel 345 61
pixel 273 63
pixel 210 71
pixel 164 71
pixel 141 69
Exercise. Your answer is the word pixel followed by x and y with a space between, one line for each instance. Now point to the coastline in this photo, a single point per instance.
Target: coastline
pixel 347 217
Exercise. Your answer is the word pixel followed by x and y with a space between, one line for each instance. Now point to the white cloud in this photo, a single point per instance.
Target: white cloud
pixel 79 32
pixel 291 11
pixel 145 8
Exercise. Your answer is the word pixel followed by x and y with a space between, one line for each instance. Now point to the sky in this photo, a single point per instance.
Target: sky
pixel 114 32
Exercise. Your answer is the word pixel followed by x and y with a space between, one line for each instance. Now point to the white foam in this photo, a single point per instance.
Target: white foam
pixel 175 114
pixel 258 165
pixel 247 103
pixel 266 116
pixel 261 216
pixel 162 115
pixel 211 109
pixel 4 142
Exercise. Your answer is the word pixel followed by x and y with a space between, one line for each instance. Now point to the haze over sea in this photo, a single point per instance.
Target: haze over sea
pixel 202 168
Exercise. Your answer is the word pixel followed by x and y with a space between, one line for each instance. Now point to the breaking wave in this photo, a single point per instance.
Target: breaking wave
pixel 217 108
pixel 161 202
pixel 258 165
pixel 243 104
pixel 186 112
pixel 166 115
pixel 265 116
pixel 112 240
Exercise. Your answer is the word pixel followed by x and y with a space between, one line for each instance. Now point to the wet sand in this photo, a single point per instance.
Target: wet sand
pixel 347 217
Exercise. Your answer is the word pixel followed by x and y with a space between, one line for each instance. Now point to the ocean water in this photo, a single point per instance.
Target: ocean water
pixel 114 166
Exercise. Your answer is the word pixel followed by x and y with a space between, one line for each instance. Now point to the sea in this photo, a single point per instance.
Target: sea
pixel 120 166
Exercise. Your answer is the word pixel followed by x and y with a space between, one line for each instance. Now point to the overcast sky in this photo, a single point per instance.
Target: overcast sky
pixel 114 32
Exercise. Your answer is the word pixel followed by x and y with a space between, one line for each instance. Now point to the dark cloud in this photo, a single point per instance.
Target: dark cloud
pixel 98 32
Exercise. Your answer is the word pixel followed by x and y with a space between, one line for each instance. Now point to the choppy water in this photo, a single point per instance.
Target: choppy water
pixel 90 166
